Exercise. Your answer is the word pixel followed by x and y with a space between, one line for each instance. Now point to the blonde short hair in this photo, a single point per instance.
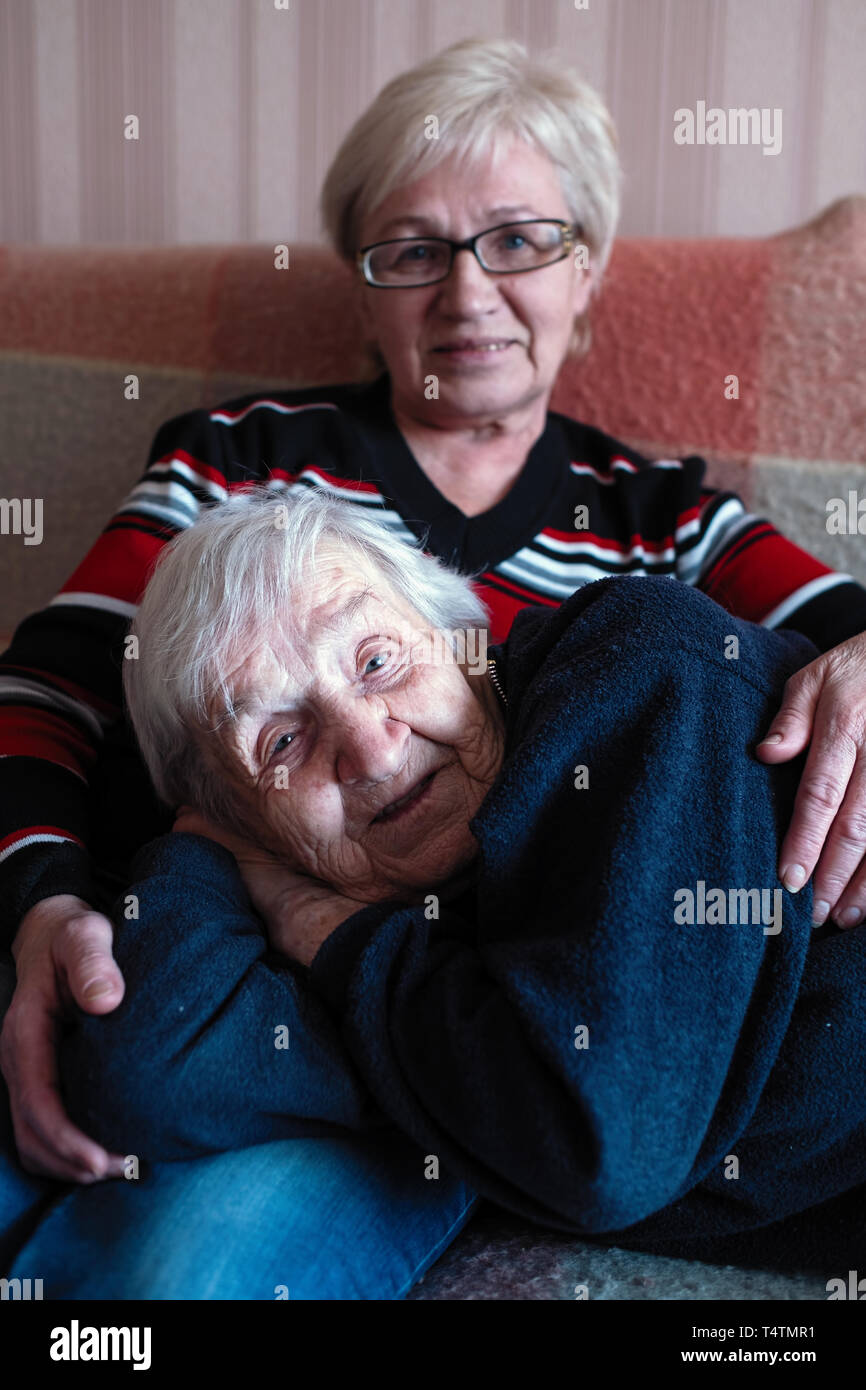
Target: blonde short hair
pixel 482 92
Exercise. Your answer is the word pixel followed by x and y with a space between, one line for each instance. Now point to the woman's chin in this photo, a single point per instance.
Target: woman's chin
pixel 491 391
pixel 477 373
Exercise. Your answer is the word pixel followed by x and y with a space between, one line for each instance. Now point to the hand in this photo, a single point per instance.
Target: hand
pixel 825 707
pixel 299 912
pixel 62 952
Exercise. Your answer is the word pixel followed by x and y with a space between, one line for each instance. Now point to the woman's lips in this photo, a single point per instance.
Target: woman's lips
pixel 405 805
pixel 476 350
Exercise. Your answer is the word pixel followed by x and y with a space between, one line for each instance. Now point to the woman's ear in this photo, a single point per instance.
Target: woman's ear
pixel 585 290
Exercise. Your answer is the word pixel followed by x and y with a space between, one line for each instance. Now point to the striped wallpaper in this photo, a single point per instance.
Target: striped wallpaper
pixel 241 105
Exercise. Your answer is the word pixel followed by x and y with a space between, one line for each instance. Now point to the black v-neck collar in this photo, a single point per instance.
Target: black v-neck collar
pixel 472 543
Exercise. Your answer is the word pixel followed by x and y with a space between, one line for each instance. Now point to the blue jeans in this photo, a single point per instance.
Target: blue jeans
pixel 320 1218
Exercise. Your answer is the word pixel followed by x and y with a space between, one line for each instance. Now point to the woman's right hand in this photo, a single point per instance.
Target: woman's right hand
pixel 299 912
pixel 62 953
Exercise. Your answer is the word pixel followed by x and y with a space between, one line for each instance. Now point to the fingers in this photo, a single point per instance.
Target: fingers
pixel 791 729
pixel 827 834
pixel 82 954
pixel 49 1144
pixel 823 785
pixel 840 877
pixel 62 951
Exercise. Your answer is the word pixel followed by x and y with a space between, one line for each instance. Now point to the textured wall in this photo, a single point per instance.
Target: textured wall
pixel 241 106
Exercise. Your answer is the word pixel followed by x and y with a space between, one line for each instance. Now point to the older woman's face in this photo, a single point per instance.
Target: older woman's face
pixel 360 757
pixel 530 317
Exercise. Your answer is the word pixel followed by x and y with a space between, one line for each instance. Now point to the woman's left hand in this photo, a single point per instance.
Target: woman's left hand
pixel 825 707
pixel 299 912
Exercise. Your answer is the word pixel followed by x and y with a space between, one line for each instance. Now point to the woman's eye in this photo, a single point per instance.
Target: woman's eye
pixel 282 742
pixel 376 663
pixel 414 253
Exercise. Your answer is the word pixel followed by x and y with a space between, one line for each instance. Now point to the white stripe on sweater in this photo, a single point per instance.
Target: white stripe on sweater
pixel 730 519
pixel 14 687
pixel 176 465
pixel 37 840
pixel 85 600
pixel 222 418
pixel 806 592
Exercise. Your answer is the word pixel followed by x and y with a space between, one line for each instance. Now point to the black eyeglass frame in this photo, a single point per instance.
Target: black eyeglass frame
pixel 571 232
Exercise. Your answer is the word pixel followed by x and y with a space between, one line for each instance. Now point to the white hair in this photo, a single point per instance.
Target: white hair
pixel 215 592
pixel 482 93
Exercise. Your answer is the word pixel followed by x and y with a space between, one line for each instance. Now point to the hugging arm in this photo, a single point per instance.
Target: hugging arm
pixel 218 1042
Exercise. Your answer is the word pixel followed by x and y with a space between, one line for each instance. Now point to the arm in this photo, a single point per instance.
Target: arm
pixel 822 713
pixel 743 563
pixel 60 680
pixel 752 570
pixel 218 1043
pixel 63 755
pixel 62 952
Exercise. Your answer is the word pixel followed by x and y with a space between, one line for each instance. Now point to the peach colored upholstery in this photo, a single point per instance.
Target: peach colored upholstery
pixel 199 324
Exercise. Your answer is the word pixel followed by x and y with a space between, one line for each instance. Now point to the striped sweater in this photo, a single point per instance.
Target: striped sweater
pixel 76 802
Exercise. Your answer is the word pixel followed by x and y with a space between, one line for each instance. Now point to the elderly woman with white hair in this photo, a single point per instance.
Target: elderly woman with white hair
pixel 505 958
pixel 477 200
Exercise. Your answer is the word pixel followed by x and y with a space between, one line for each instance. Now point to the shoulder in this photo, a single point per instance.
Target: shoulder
pixel 275 433
pixel 593 451
pixel 307 408
pixel 651 628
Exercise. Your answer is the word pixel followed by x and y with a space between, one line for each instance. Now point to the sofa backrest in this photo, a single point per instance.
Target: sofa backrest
pixel 675 321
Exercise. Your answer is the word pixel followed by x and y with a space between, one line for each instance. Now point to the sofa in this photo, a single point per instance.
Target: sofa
pixel 750 352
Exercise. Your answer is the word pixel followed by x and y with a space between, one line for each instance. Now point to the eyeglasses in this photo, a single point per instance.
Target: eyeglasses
pixel 510 249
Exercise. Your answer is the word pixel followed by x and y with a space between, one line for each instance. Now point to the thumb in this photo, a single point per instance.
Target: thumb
pixel 791 729
pixel 83 956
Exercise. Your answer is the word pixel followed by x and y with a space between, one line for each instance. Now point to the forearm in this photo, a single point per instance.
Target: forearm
pixel 765 578
pixel 44 829
pixel 831 617
pixel 446 1052
pixel 217 1043
pixel 39 872
pixel 59 697
pixel 66 768
pixel 62 834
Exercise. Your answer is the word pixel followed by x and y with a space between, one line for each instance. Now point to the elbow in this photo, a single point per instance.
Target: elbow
pixel 606 1211
pixel 623 1191
pixel 123 1093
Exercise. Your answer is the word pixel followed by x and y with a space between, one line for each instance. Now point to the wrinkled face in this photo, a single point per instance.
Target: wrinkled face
pixel 525 321
pixel 360 751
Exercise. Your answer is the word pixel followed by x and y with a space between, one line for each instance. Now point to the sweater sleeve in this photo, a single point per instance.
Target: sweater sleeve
pixel 748 567
pixel 61 715
pixel 218 1042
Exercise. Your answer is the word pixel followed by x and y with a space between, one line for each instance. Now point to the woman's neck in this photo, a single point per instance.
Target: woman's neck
pixel 474 467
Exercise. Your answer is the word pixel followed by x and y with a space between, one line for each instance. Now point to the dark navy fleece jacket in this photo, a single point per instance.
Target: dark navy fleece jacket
pixel 559 1037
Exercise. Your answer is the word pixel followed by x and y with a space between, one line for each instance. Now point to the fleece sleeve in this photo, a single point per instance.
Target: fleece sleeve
pixel 218 1043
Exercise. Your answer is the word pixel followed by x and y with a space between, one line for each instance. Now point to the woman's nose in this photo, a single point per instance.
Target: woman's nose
pixel 469 289
pixel 371 746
